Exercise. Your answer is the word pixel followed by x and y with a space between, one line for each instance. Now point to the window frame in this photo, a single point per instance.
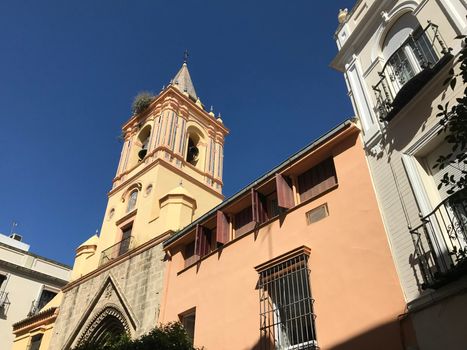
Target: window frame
pixel 281 325
pixel 131 206
pixel 183 317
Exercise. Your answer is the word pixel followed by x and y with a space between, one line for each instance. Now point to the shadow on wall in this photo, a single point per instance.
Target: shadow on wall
pixel 397 335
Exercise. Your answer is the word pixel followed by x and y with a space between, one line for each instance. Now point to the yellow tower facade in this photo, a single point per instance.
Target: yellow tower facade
pixel 169 173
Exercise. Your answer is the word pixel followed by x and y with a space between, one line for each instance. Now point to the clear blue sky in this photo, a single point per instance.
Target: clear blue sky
pixel 70 69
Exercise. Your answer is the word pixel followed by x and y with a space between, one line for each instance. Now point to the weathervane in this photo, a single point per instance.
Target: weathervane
pixel 185 56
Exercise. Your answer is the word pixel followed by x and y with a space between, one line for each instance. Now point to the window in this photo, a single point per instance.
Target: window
pixel 189 254
pixel 35 342
pixel 2 281
pixel 411 57
pixel 132 198
pixel 188 321
pixel 126 239
pixel 286 306
pixel 264 207
pixel 409 50
pixel 46 296
pixel 317 180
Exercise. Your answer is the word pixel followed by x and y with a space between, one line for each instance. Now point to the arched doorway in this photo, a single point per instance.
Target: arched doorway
pixel 108 324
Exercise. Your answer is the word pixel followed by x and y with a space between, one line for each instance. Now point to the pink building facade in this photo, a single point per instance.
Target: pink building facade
pixel 298 259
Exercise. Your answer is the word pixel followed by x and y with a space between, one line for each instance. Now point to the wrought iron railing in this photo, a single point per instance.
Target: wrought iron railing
pixel 441 242
pixel 116 250
pixel 4 304
pixel 420 52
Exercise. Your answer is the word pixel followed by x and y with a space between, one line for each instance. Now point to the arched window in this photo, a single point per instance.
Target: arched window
pixel 407 50
pixel 132 198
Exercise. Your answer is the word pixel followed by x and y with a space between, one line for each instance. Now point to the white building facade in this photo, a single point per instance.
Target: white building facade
pixel 395 56
pixel 27 283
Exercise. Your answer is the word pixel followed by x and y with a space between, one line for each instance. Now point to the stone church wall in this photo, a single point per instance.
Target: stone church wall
pixel 133 287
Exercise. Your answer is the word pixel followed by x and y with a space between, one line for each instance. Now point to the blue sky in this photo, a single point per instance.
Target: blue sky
pixel 70 69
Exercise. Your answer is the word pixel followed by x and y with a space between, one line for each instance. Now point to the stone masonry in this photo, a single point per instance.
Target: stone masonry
pixel 131 287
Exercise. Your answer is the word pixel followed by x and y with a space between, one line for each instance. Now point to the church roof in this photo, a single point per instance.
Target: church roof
pixel 182 81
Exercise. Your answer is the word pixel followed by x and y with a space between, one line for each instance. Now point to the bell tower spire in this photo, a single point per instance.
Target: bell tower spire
pixel 172 140
pixel 182 80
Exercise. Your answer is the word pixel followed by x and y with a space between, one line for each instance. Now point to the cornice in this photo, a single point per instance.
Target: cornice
pixel 168 165
pixel 54 281
pixel 354 41
pixel 41 319
pixel 172 92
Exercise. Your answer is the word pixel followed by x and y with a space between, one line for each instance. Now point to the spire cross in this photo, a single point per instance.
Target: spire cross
pixel 185 56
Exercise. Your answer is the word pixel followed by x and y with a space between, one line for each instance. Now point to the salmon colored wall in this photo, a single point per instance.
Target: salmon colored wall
pixel 353 280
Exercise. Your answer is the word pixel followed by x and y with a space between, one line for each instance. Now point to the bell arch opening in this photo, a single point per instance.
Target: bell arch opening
pixel 140 146
pixel 194 153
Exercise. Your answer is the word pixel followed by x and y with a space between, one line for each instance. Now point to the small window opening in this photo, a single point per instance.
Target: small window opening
pixel 36 341
pixel 2 282
pixel 188 322
pixel 189 254
pixel 243 221
pixel 46 296
pixel 124 245
pixel 132 198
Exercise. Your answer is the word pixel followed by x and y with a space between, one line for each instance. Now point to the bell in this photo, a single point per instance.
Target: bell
pixel 142 153
pixel 194 152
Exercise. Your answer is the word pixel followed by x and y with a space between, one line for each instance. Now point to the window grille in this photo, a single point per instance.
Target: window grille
pixel 287 320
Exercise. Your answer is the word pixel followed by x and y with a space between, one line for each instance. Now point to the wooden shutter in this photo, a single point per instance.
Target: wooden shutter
pixel 201 241
pixel 259 207
pixel 222 230
pixel 284 192
pixel 243 221
pixel 317 180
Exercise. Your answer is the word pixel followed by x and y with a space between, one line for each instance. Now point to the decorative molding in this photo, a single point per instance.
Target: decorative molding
pixel 410 163
pixel 123 312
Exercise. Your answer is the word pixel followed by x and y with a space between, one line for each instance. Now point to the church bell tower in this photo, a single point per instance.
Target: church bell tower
pixel 169 173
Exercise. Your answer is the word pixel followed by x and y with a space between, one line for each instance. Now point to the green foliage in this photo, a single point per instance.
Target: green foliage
pixel 171 336
pixel 454 126
pixel 141 102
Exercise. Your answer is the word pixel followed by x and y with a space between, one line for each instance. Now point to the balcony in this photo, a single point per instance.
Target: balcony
pixel 116 250
pixel 4 304
pixel 411 67
pixel 441 242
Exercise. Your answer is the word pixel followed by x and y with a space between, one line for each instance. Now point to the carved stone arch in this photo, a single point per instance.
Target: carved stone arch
pixel 109 322
pixel 389 19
